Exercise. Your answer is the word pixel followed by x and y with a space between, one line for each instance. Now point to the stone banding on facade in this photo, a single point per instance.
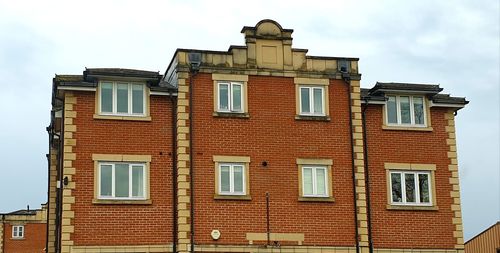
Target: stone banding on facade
pixel 454 180
pixel 69 156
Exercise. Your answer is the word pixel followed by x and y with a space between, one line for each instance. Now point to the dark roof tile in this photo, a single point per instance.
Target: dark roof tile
pixel 412 87
pixel 121 72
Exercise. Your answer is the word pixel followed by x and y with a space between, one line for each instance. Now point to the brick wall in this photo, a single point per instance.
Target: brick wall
pixel 405 228
pixel 120 224
pixel 33 241
pixel 272 134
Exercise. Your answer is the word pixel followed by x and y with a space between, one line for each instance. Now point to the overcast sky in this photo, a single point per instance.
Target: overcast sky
pixel 452 43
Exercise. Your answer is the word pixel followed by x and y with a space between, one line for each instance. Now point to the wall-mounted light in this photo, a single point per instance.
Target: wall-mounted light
pixel 264 163
pixel 65 181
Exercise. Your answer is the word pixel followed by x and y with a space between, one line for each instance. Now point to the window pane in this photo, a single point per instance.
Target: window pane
pixel 238 179
pixel 137 98
pixel 423 184
pixel 137 181
pixel 106 97
pixel 318 100
pixel 308 181
pixel 418 107
pixel 237 97
pixel 320 182
pixel 404 103
pixel 224 179
pixel 410 187
pixel 304 100
pixel 392 114
pixel 15 230
pixel 106 180
pixel 122 98
pixel 121 180
pixel 396 187
pixel 20 232
pixel 223 97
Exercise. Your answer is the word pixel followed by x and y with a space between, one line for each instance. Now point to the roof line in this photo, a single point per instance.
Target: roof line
pixel 490 227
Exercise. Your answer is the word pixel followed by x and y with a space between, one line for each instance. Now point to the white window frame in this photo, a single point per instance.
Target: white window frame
pixel 114 106
pixel 412 111
pixel 417 188
pixel 314 181
pixel 18 231
pixel 230 97
pixel 231 179
pixel 311 100
pixel 113 178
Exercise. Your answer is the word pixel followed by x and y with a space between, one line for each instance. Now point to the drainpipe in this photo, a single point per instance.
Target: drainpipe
pixel 367 177
pixel 59 194
pixel 347 79
pixel 174 172
pixel 48 192
pixel 50 131
pixel 193 71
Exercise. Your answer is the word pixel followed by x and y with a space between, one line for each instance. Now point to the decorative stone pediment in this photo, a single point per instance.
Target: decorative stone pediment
pixel 268 48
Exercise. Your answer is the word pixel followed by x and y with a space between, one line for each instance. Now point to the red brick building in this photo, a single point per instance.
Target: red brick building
pixel 23 231
pixel 261 148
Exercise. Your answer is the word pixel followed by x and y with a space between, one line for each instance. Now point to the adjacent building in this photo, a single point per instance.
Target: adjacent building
pixel 261 148
pixel 24 231
pixel 487 241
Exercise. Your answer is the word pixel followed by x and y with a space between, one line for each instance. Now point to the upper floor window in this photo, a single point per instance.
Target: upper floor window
pixel 17 231
pixel 406 110
pixel 231 179
pixel 122 98
pixel 312 101
pixel 315 181
pixel 230 96
pixel 122 181
pixel 410 187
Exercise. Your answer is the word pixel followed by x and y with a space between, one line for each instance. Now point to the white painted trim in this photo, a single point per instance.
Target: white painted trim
pixel 76 88
pixel 114 94
pixel 314 170
pixel 113 178
pixel 162 93
pixel 373 102
pixel 311 100
pixel 412 111
pixel 231 179
pixel 230 99
pixel 432 104
pixel 415 174
pixel 16 230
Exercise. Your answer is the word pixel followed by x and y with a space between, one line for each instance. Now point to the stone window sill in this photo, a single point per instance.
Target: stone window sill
pixel 232 197
pixel 412 208
pixel 231 115
pixel 116 117
pixel 316 199
pixel 121 202
pixel 407 128
pixel 312 118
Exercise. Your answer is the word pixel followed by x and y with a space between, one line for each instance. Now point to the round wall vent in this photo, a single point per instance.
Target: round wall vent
pixel 215 234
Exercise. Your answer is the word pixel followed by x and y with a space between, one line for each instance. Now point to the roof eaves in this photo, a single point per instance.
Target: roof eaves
pixel 381 87
pixel 120 72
